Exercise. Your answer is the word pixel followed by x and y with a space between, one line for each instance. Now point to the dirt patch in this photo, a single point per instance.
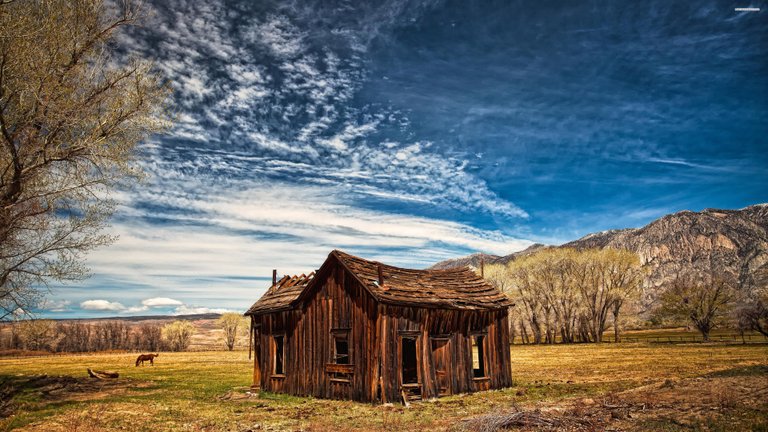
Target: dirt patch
pixel 46 389
pixel 536 419
pixel 734 399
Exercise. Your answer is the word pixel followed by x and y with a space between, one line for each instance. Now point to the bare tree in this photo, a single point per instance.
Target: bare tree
pixel 232 324
pixel 71 115
pixel 111 335
pixel 611 276
pixel 150 337
pixel 178 335
pixel 75 337
pixel 37 335
pixel 702 302
pixel 624 276
pixel 753 313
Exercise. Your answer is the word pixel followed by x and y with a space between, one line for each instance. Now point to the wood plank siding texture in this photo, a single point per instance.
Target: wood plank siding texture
pixel 362 330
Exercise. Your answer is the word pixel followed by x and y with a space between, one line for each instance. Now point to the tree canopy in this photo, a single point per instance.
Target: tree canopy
pixel 567 294
pixel 71 115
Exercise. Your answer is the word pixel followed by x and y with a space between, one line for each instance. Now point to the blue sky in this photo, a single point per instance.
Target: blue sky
pixel 414 131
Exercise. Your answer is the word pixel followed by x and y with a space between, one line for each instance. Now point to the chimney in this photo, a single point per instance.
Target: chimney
pixel 274 277
pixel 381 276
pixel 482 267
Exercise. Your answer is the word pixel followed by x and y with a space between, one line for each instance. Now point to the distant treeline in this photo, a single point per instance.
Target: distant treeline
pixel 49 335
pixel 108 335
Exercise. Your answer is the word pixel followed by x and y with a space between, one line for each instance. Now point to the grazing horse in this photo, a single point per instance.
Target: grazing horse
pixel 144 357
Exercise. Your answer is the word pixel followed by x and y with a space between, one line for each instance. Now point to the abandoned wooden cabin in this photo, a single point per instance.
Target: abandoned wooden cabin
pixel 361 330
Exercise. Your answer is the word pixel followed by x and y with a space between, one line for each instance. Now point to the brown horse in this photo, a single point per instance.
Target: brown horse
pixel 144 357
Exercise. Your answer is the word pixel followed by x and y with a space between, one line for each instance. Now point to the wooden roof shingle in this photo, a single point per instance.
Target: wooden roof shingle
pixel 457 288
pixel 280 295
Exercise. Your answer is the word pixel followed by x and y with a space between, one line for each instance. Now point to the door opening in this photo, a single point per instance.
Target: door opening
pixel 408 365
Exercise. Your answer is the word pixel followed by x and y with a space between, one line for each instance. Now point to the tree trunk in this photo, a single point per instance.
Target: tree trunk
pixel 523 333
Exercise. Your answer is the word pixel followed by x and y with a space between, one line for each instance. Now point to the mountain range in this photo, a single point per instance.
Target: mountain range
pixel 732 243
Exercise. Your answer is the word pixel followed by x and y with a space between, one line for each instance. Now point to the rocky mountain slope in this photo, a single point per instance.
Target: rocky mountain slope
pixel 475 259
pixel 731 243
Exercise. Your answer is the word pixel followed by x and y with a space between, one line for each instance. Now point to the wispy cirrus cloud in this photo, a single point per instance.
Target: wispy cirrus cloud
pixel 285 91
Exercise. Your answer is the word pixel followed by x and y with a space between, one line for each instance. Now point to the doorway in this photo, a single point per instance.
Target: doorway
pixel 408 363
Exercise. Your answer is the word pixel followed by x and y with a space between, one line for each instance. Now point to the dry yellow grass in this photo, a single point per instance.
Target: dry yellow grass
pixel 206 392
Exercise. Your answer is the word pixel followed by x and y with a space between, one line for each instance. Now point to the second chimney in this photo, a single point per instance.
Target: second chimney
pixel 381 276
pixel 274 277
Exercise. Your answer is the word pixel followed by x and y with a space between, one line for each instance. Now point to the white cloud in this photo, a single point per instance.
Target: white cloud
pixel 279 35
pixel 160 302
pixel 101 305
pixel 340 141
pixel 193 310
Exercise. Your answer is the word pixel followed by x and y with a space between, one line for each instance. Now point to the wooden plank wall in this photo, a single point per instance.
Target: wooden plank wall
pixel 339 305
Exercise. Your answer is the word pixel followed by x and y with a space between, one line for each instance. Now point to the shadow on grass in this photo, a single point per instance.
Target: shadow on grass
pixel 48 390
pixel 755 370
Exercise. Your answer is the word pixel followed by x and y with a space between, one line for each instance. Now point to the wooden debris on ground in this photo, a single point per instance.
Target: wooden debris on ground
pixel 102 374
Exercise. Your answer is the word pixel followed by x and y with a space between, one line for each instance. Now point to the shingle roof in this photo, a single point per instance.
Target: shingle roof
pixel 281 294
pixel 457 288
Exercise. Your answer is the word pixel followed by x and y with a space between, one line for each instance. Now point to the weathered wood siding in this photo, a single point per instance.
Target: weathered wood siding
pixel 339 305
pixel 374 331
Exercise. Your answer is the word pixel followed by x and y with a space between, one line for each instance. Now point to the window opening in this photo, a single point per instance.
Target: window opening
pixel 341 349
pixel 279 355
pixel 478 360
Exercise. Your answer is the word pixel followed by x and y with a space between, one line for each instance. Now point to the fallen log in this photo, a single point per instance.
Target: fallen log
pixel 102 374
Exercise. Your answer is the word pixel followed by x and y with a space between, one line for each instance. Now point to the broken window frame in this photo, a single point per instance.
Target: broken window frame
pixel 477 340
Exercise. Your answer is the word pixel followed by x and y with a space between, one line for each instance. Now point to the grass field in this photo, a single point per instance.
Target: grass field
pixel 581 387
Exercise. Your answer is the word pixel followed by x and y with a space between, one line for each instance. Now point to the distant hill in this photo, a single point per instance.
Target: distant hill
pixel 732 242
pixel 192 317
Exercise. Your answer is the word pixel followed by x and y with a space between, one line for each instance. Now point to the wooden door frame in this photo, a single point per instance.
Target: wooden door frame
pixel 415 335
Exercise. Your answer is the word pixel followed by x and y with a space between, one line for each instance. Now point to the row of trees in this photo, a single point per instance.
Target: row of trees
pixel 77 336
pixel 568 295
pixel 49 335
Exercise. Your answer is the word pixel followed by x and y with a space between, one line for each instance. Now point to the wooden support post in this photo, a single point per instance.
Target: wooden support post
pixel 250 339
pixel 482 267
pixel 256 385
